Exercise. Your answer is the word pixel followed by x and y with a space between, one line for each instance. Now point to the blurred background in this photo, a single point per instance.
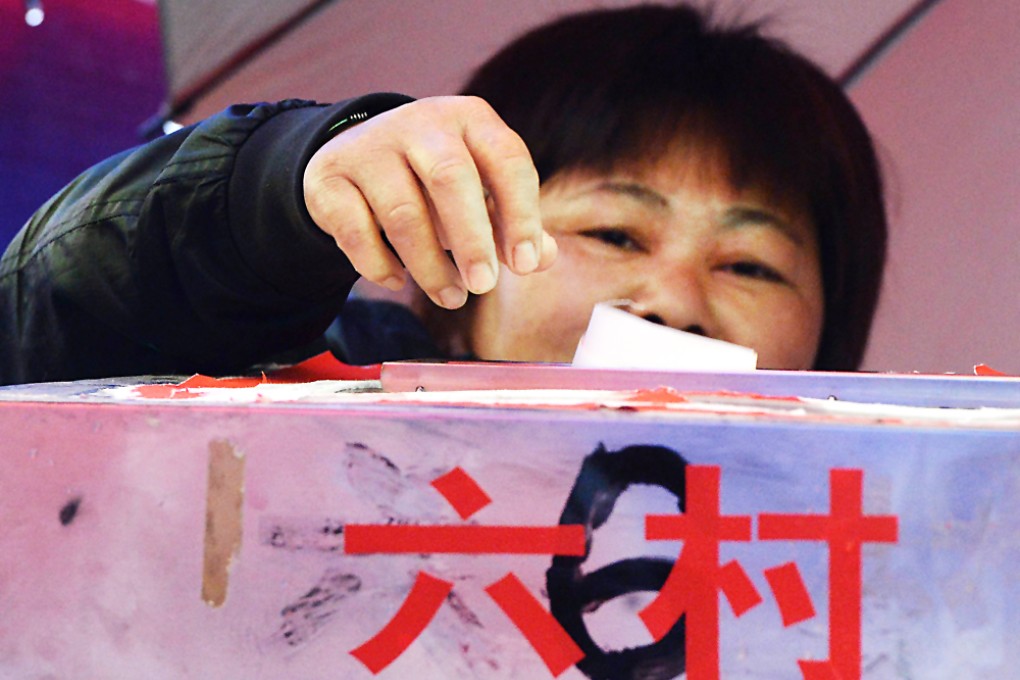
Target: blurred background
pixel 937 81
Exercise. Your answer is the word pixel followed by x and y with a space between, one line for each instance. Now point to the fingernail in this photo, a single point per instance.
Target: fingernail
pixel 452 297
pixel 525 257
pixel 481 277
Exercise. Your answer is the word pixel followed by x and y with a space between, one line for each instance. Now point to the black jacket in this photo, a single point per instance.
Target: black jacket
pixel 193 253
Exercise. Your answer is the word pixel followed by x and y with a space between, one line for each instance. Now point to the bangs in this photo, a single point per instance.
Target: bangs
pixel 727 138
pixel 736 107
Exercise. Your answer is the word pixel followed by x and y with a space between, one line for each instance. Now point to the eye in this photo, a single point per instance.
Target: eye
pixel 756 270
pixel 613 236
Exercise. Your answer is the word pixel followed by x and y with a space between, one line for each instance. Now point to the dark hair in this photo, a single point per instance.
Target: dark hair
pixel 602 88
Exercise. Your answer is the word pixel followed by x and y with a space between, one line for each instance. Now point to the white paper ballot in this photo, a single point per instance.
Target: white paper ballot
pixel 618 339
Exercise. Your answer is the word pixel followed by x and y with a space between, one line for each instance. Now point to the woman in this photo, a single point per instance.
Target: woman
pixel 712 178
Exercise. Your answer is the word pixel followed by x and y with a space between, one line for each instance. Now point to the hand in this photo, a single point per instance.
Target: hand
pixel 435 175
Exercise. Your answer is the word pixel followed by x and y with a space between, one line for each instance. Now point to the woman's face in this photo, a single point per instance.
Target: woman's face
pixel 682 247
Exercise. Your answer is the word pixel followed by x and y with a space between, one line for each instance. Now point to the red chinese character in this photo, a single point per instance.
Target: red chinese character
pixel 557 650
pixel 696 578
pixel 791 594
pixel 845 529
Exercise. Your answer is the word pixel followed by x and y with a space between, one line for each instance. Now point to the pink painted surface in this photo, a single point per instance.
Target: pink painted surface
pixel 943 105
pixel 104 513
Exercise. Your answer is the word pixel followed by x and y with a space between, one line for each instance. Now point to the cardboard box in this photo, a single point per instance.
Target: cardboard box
pixel 503 536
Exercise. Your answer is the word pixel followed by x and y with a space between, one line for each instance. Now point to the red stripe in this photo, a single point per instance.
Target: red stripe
pixel 818 670
pixel 360 539
pixel 324 366
pixel 421 605
pixel 738 588
pixel 790 592
pixel 558 651
pixel 462 492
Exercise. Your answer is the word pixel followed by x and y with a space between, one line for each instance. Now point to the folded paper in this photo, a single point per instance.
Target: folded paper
pixel 618 339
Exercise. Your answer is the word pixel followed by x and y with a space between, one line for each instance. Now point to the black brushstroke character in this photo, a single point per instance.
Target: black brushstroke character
pixel 603 477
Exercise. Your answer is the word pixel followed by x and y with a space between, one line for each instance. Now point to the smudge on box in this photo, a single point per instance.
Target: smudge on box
pixel 224 500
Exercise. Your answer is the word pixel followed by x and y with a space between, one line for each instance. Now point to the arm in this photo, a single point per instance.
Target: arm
pixel 229 242
pixel 192 253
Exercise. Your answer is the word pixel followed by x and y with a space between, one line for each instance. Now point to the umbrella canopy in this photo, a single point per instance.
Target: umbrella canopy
pixel 218 53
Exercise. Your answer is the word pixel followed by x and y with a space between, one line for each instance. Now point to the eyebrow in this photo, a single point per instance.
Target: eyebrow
pixel 734 217
pixel 746 216
pixel 639 192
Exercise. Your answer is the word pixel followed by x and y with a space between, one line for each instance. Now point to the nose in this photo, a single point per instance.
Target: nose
pixel 676 297
pixel 697 329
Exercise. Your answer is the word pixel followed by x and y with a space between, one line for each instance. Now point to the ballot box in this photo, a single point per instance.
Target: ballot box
pixel 588 524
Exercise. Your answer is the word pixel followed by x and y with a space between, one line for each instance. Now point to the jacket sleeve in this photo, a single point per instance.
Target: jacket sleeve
pixel 191 253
